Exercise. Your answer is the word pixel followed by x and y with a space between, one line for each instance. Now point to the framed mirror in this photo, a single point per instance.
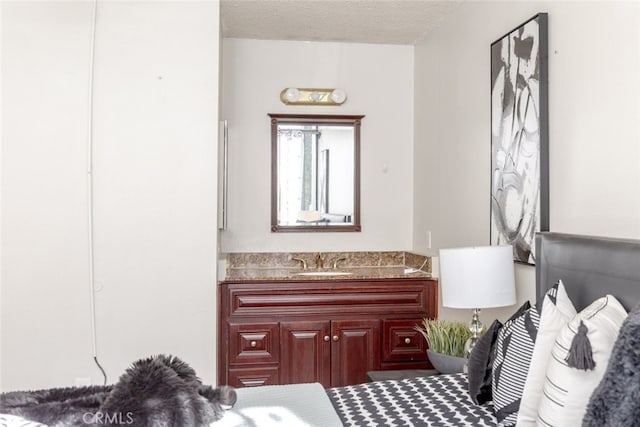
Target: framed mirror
pixel 315 173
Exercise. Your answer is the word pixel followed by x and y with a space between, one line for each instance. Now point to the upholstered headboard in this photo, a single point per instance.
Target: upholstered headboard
pixel 590 267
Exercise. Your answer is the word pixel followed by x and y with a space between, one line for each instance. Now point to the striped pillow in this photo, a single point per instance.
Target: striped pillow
pixel 515 345
pixel 557 311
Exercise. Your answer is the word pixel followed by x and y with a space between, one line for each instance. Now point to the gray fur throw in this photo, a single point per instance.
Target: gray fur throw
pixel 616 400
pixel 160 391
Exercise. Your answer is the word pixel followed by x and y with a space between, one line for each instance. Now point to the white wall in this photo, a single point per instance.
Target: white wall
pixel 1 175
pixel 378 80
pixel 155 157
pixel 594 64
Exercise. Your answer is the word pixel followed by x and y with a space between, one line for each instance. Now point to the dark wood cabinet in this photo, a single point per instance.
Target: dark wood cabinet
pixel 306 352
pixel 331 332
pixel 355 349
pixel 401 341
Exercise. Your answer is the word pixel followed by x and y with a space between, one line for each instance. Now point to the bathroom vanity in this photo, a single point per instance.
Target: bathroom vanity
pixel 329 329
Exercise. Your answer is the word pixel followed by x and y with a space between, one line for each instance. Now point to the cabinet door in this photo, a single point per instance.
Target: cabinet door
pixel 305 352
pixel 355 349
pixel 401 342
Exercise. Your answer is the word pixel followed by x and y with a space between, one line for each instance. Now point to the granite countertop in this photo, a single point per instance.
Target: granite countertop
pixel 287 266
pixel 290 274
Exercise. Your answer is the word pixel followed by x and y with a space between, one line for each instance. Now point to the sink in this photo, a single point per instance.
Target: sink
pixel 324 273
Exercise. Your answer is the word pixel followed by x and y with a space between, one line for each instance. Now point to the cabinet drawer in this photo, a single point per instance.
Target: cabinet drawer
pixel 254 343
pixel 253 377
pixel 327 298
pixel 401 342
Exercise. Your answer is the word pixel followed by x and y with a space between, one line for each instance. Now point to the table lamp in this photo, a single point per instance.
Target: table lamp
pixel 476 278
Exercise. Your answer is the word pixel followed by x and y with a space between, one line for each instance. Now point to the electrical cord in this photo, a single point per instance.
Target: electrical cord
pixel 424 263
pixel 90 189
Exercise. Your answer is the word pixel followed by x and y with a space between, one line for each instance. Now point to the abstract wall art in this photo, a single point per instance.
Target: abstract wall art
pixel 520 138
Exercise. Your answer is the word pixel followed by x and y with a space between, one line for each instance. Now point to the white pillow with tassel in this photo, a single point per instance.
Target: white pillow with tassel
pixel 578 361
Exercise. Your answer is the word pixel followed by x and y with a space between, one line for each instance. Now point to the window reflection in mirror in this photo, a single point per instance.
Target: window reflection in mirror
pixel 315 173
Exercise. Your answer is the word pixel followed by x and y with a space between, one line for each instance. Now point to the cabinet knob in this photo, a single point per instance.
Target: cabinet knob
pixel 253 343
pixel 327 338
pixel 335 338
pixel 407 340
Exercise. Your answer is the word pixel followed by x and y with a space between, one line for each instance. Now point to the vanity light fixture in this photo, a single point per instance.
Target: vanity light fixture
pixel 312 96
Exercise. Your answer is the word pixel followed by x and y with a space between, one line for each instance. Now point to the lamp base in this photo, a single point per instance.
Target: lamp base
pixel 476 327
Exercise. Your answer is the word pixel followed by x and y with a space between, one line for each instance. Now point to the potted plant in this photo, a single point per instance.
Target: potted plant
pixel 446 340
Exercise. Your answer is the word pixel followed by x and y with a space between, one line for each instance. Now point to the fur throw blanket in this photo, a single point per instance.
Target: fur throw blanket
pixel 158 391
pixel 616 400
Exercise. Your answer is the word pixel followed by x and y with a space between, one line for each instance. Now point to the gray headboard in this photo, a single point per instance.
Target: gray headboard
pixel 590 267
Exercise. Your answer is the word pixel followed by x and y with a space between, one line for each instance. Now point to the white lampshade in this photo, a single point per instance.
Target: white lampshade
pixel 477 277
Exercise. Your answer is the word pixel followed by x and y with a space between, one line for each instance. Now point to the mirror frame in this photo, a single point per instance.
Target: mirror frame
pixel 312 119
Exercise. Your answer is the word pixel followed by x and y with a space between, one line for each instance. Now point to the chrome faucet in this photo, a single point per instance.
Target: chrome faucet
pixel 337 260
pixel 320 260
pixel 304 263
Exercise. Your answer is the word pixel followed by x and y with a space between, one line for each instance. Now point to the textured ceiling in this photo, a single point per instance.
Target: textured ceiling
pixel 358 21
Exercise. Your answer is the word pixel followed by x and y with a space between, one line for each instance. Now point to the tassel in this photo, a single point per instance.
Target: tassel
pixel 580 354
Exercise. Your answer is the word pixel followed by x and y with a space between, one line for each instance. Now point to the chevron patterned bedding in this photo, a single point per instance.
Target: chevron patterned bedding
pixel 440 400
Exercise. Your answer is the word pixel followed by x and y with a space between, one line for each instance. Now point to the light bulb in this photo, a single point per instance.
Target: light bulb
pixel 338 96
pixel 292 94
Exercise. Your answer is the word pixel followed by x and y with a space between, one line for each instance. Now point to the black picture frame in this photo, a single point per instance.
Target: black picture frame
pixel 520 138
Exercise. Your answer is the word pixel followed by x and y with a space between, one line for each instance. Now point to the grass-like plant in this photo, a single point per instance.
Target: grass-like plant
pixel 444 336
